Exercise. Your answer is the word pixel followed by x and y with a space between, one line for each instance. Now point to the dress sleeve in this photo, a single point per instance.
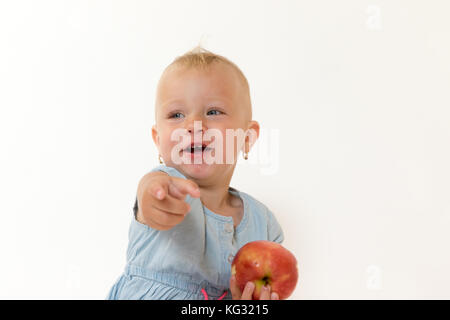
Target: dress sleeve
pixel 275 233
pixel 135 208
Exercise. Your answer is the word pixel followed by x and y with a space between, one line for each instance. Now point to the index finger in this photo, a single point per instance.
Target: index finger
pixel 184 187
pixel 247 294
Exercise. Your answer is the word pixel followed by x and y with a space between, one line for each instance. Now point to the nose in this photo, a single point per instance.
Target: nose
pixel 195 126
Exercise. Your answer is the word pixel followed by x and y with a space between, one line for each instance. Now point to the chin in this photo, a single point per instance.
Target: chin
pixel 198 171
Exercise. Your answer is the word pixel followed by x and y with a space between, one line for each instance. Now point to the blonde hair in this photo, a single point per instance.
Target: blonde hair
pixel 202 59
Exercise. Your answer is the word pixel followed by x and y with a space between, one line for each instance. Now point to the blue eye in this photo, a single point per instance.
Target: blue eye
pixel 214 110
pixel 174 114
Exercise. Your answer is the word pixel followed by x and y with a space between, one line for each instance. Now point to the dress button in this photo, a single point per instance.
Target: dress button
pixel 230 258
pixel 229 228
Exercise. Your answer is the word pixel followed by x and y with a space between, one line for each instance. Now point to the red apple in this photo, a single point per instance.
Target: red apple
pixel 266 262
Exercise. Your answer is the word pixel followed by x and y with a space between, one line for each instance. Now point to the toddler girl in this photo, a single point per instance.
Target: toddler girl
pixel 188 222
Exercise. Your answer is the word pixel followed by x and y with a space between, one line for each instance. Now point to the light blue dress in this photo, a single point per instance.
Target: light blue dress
pixel 194 255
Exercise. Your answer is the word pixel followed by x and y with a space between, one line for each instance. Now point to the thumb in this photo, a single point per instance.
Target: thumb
pixel 235 291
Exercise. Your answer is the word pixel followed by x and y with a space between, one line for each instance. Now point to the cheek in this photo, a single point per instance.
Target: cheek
pixel 165 144
pixel 233 143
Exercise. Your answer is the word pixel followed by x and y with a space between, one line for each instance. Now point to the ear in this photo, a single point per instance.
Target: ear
pixel 252 135
pixel 155 136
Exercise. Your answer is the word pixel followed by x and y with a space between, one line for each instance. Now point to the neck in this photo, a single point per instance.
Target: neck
pixel 215 198
pixel 214 190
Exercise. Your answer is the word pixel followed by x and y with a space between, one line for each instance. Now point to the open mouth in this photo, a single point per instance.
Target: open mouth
pixel 196 148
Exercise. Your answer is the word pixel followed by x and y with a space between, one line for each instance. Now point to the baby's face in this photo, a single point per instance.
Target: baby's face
pixel 196 102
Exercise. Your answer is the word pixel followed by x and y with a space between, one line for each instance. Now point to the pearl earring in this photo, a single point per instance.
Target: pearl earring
pixel 160 160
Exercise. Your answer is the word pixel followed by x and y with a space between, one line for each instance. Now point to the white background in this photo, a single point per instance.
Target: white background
pixel 358 92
